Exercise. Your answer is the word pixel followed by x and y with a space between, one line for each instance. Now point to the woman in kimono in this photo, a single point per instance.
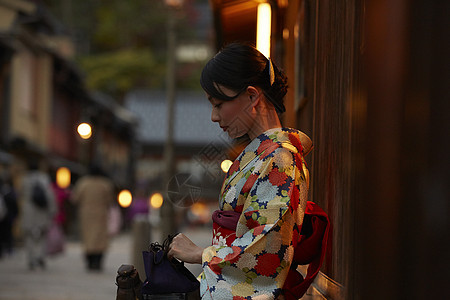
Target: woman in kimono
pixel 264 195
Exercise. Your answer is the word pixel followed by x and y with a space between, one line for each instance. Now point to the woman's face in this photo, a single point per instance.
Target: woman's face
pixel 236 117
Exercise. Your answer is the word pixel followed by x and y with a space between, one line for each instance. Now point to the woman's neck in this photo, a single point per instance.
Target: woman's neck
pixel 266 118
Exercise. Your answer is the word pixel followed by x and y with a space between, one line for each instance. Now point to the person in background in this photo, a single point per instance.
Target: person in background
pixel 62 195
pixel 11 210
pixel 264 195
pixel 36 217
pixel 94 194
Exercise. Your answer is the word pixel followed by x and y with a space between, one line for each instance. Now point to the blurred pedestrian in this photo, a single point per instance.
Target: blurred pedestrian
pixel 94 194
pixel 37 212
pixel 62 195
pixel 56 237
pixel 8 216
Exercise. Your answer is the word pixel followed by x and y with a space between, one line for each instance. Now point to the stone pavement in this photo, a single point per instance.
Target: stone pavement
pixel 66 277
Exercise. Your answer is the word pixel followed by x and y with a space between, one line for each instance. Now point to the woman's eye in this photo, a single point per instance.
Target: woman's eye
pixel 218 105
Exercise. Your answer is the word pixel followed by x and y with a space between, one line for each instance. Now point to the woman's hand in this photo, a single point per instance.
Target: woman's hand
pixel 185 250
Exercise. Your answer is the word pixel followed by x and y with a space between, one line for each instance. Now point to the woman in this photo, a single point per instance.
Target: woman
pixel 264 194
pixel 36 219
pixel 94 194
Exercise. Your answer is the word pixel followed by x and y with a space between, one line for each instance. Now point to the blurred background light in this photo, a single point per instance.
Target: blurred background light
pixel 174 3
pixel 225 165
pixel 125 198
pixel 63 177
pixel 200 211
pixel 156 200
pixel 84 130
pixel 192 53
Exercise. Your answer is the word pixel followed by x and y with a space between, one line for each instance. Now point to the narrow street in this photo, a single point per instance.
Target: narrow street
pixel 66 277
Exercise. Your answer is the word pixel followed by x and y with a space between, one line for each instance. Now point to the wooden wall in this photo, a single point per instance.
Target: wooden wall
pixel 329 106
pixel 403 218
pixel 373 90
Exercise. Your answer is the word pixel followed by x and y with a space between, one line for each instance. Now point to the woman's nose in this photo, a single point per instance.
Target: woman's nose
pixel 214 115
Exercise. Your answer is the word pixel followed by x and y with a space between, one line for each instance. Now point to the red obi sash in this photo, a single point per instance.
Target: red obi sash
pixel 310 247
pixel 224 226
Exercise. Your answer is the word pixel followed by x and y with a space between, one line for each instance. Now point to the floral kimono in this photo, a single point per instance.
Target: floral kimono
pixel 266 188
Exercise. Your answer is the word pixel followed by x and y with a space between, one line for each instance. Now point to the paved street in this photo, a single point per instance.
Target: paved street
pixel 66 277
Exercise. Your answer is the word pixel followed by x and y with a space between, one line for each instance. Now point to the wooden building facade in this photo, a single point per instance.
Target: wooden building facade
pixel 43 98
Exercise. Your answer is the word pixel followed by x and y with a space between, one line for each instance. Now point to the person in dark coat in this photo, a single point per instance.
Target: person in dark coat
pixel 8 196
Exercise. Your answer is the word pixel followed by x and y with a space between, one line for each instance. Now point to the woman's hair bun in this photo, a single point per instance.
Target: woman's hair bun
pixel 239 65
pixel 278 90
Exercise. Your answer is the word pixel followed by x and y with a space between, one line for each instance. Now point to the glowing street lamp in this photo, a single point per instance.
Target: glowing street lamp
pixel 84 130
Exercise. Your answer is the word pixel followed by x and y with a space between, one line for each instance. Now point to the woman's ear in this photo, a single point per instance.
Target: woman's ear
pixel 254 94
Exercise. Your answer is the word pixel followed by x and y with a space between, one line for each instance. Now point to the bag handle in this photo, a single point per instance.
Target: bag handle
pixel 156 247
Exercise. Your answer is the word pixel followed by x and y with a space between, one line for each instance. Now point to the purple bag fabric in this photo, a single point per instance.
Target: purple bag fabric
pixel 164 276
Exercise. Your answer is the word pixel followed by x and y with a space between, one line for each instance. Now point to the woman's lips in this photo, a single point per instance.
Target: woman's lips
pixel 224 128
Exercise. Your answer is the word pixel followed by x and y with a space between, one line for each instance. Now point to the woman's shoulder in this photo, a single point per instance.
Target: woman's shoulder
pixel 291 139
pixel 300 140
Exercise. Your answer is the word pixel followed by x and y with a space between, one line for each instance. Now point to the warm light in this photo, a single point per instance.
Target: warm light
pixel 174 3
pixel 156 200
pixel 201 211
pixel 263 29
pixel 124 198
pixel 198 208
pixel 84 130
pixel 285 33
pixel 63 177
pixel 225 165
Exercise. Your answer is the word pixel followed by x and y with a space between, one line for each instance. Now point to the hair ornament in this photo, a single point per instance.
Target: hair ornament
pixel 271 73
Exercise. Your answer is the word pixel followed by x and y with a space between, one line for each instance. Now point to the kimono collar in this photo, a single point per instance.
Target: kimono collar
pixel 291 139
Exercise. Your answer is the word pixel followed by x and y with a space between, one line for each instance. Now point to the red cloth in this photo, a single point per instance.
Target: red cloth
pixel 226 219
pixel 224 225
pixel 309 249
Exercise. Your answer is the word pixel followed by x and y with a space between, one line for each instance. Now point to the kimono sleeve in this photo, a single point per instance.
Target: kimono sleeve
pixel 258 260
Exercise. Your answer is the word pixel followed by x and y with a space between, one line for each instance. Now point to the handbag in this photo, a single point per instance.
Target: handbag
pixel 167 279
